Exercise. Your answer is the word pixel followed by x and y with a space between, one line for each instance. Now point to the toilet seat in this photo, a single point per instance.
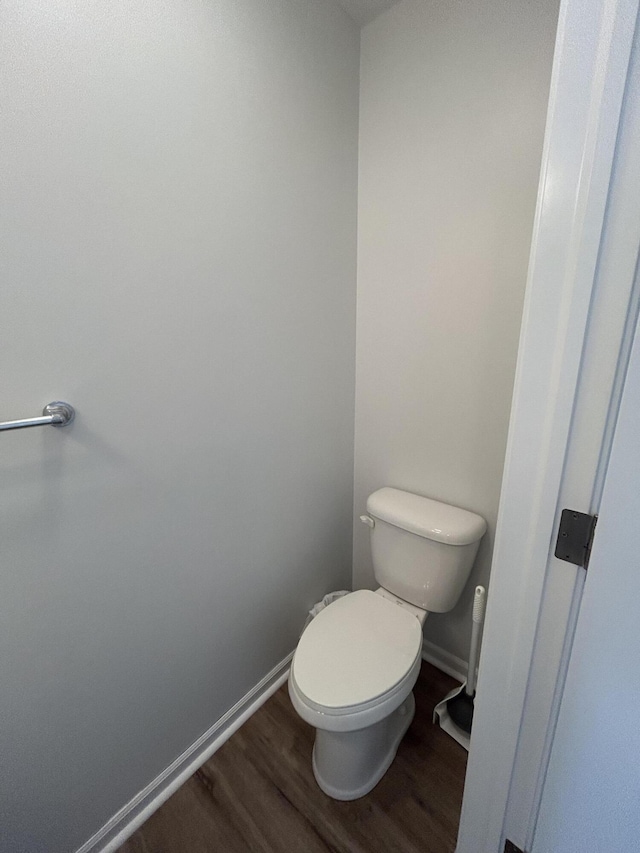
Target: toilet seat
pixel 356 662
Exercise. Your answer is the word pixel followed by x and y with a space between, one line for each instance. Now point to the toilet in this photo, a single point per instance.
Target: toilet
pixel 354 669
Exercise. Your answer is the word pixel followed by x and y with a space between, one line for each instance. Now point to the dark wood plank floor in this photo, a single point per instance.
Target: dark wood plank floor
pixel 257 793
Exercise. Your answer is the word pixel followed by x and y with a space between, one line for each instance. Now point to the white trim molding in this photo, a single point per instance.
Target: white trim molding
pixel 441 659
pixel 588 81
pixel 125 822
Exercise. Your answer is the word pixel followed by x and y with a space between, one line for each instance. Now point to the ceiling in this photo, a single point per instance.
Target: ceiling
pixel 363 11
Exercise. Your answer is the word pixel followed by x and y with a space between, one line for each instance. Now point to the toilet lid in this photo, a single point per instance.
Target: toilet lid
pixel 356 649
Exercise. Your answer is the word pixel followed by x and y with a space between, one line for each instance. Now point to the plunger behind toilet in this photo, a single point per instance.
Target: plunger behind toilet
pixel 460 706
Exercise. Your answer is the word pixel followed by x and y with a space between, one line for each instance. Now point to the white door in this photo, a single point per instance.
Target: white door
pixel 575 343
pixel 591 796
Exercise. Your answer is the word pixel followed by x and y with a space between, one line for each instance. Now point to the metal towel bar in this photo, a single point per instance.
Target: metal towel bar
pixel 57 414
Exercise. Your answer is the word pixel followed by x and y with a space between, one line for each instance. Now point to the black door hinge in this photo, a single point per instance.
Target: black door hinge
pixel 510 847
pixel 575 537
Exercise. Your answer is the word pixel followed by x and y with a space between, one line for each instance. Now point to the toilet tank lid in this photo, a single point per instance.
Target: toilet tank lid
pixel 428 518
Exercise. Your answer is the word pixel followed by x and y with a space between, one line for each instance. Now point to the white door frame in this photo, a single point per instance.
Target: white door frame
pixel 589 74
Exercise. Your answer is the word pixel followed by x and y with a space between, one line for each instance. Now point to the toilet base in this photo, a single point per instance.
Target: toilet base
pixel 347 765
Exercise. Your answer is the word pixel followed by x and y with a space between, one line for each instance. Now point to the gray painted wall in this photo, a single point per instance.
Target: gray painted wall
pixel 363 11
pixel 452 112
pixel 179 201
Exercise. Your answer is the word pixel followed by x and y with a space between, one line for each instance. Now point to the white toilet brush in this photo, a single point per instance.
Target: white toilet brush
pixel 455 712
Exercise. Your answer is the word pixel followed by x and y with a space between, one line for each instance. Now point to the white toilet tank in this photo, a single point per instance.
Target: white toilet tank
pixel 422 549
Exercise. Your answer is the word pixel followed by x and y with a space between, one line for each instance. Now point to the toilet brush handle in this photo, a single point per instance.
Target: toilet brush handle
pixel 476 629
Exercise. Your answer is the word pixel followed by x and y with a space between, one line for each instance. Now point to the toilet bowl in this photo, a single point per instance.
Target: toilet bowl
pixel 355 666
pixel 351 678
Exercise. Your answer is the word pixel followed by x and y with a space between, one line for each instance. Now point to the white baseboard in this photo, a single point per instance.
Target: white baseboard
pixel 125 822
pixel 453 666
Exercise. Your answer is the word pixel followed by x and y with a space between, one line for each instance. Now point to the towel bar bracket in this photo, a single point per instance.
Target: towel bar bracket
pixel 56 414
